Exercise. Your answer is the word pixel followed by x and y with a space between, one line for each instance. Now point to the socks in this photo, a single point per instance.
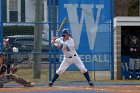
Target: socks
pixel 137 72
pixel 87 76
pixel 55 77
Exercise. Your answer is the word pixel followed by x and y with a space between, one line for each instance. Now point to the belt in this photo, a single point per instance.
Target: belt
pixel 71 56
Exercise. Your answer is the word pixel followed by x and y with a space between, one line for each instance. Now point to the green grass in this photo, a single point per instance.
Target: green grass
pixel 27 74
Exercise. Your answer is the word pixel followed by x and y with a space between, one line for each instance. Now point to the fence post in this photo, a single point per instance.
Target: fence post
pixel 1 26
pixel 112 39
pixel 37 40
pixel 50 57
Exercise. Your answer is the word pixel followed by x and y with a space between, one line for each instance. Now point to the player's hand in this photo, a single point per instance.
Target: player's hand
pixel 131 49
pixel 53 40
pixel 135 50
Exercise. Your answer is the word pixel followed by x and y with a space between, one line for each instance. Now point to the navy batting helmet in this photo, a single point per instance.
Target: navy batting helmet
pixel 65 32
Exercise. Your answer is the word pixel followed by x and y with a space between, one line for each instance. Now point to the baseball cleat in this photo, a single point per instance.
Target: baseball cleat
pixel 50 84
pixel 91 84
pixel 30 84
pixel 130 77
pixel 138 77
pixel 1 84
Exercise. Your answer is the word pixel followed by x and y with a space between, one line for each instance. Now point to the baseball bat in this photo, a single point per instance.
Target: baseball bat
pixel 61 26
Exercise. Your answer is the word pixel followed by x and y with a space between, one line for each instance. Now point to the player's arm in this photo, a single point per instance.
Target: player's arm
pixel 55 42
pixel 3 68
pixel 68 45
pixel 58 45
pixel 130 48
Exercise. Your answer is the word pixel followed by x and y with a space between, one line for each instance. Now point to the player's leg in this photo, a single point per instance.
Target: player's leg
pixel 2 75
pixel 1 81
pixel 82 68
pixel 137 66
pixel 131 67
pixel 8 68
pixel 4 79
pixel 63 66
pixel 1 84
pixel 20 80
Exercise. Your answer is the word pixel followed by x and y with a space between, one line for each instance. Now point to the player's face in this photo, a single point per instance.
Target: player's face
pixel 66 37
pixel 134 41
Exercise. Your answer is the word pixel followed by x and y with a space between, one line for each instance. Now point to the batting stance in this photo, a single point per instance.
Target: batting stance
pixel 66 44
pixel 5 78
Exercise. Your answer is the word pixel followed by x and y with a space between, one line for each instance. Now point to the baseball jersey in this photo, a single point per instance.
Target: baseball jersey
pixel 134 54
pixel 67 46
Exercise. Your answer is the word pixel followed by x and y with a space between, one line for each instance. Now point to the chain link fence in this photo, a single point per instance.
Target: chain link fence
pixel 30 29
pixel 30 33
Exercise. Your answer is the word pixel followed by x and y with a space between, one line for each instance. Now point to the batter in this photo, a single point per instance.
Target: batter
pixel 66 44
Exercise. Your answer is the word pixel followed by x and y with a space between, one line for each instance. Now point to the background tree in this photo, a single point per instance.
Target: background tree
pixel 133 7
pixel 126 7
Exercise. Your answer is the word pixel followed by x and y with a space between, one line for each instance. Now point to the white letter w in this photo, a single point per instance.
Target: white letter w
pixel 87 16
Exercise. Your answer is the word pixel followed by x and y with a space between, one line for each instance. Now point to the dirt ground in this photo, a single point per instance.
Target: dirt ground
pixel 114 88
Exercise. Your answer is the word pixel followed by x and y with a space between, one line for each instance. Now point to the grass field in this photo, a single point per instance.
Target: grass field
pixel 26 72
pixel 68 76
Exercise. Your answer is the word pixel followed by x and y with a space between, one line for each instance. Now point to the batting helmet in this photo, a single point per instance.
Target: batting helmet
pixel 65 32
pixel 134 38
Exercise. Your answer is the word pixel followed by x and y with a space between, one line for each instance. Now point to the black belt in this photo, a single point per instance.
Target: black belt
pixel 71 56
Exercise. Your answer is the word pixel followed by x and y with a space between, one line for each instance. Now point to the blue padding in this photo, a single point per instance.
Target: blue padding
pixel 92 66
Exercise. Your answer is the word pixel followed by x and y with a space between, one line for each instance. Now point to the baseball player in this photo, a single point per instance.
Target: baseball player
pixel 134 61
pixel 7 51
pixel 5 78
pixel 66 44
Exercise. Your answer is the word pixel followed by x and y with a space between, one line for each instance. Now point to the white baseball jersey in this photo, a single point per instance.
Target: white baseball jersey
pixel 70 56
pixel 68 46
